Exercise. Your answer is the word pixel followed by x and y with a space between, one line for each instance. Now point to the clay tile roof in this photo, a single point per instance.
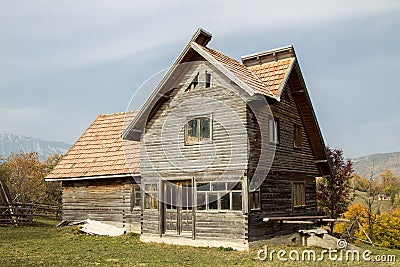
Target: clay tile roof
pixel 273 74
pixel 100 150
pixel 241 71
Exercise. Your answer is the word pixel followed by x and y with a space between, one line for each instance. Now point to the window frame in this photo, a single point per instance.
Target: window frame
pixel 297 136
pixel 208 80
pixel 193 84
pixel 220 194
pixel 252 196
pixel 198 130
pixel 151 195
pixel 135 203
pixel 274 128
pixel 298 187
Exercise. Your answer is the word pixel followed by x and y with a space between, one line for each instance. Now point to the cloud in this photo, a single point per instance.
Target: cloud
pixel 65 61
pixel 46 36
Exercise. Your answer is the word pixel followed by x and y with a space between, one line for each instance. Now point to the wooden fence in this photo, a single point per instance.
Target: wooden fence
pixel 19 213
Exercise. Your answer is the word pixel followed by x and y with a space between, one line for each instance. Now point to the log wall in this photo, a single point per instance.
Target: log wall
pixel 105 200
pixel 290 165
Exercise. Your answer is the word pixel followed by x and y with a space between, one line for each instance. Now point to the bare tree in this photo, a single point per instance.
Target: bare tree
pixel 371 201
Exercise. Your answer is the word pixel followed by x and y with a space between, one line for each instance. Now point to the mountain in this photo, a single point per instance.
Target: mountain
pixel 16 143
pixel 377 163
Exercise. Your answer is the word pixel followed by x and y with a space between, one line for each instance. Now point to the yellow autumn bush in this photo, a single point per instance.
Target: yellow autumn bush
pixel 386 229
pixel 355 211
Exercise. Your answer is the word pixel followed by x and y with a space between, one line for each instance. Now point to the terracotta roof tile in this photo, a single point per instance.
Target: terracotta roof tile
pixel 100 150
pixel 268 78
pixel 273 73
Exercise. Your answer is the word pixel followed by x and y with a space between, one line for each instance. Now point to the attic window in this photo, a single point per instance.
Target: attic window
pixel 198 130
pixel 193 84
pixel 273 125
pixel 208 79
pixel 297 136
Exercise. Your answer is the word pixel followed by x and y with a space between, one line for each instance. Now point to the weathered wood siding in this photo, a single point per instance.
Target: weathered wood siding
pixel 221 225
pixel 105 200
pixel 276 200
pixel 164 153
pixel 289 165
pixel 288 158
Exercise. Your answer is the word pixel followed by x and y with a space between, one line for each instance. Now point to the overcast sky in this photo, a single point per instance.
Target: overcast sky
pixel 64 62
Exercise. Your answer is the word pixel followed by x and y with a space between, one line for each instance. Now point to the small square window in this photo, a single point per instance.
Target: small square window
pixel 198 130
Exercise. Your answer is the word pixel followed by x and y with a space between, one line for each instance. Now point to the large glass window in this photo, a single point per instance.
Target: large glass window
pixel 198 130
pixel 219 196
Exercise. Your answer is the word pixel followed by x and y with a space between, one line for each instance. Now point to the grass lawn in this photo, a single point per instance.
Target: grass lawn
pixel 42 244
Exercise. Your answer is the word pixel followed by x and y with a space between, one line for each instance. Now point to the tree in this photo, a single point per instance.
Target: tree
pixel 334 193
pixel 359 183
pixel 390 185
pixel 371 201
pixel 52 190
pixel 24 175
pixel 388 229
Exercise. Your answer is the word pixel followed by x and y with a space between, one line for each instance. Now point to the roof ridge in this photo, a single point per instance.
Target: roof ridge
pixel 117 113
pixel 272 55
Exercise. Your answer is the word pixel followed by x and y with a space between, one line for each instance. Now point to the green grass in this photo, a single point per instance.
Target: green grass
pixel 42 244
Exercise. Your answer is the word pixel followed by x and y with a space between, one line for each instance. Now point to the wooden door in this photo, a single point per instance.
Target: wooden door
pixel 177 207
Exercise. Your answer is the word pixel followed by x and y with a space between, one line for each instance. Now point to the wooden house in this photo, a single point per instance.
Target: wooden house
pixel 227 147
pixel 227 150
pixel 97 182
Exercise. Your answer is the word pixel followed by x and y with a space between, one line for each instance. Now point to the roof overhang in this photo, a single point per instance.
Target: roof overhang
pixel 85 178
